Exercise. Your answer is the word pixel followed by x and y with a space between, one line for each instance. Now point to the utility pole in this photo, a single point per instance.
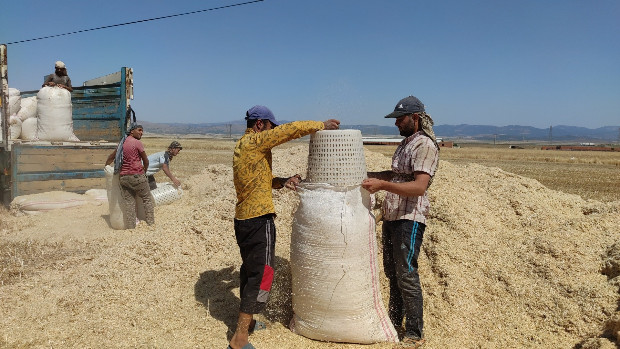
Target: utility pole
pixel 229 130
pixel 494 138
pixel 550 134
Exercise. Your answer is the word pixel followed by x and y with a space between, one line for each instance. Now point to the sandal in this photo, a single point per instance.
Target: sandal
pixel 258 325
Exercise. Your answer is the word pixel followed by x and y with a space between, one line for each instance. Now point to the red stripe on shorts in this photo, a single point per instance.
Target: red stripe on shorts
pixel 267 280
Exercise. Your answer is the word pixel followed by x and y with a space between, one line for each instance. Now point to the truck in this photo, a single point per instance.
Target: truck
pixel 101 113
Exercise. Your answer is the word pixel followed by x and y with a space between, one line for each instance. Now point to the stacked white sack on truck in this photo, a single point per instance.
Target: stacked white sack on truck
pixel 29 129
pixel 15 127
pixel 13 109
pixel 28 108
pixel 335 274
pixel 15 101
pixel 55 115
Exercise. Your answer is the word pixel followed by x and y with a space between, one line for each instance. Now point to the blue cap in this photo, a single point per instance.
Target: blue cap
pixel 406 106
pixel 260 112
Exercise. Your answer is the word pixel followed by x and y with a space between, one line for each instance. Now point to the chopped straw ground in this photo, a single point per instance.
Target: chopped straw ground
pixel 506 263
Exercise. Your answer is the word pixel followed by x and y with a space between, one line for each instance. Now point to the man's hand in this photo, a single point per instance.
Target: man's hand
pixel 331 124
pixel 293 182
pixel 373 185
pixel 177 183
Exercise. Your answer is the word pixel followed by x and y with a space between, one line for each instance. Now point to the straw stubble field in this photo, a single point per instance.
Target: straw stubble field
pixel 511 258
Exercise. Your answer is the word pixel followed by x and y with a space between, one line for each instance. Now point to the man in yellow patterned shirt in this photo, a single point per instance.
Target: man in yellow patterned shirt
pixel 255 230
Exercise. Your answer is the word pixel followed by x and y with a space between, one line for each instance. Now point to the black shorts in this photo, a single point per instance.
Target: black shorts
pixel 256 238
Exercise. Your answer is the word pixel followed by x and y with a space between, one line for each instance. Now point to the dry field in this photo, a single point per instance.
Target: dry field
pixel 589 174
pixel 511 258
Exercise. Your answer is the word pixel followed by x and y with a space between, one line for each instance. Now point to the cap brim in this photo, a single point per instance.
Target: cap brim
pixel 397 114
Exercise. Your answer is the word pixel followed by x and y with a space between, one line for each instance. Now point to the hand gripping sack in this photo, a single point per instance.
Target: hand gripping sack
pixel 335 275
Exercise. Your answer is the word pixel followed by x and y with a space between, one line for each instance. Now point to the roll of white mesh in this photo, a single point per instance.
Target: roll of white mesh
pixel 165 194
pixel 336 157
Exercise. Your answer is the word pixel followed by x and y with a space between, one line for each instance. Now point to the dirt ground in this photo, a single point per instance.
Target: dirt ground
pixel 506 263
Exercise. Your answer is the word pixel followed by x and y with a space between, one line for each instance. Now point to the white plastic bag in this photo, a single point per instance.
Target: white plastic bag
pixel 113 186
pixel 55 115
pixel 28 108
pixel 15 127
pixel 15 101
pixel 335 275
pixel 53 200
pixel 29 129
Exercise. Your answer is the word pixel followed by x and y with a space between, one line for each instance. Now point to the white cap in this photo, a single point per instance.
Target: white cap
pixel 60 64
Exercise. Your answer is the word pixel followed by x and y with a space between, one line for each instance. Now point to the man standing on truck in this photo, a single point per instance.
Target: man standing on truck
pixel 131 162
pixel 255 230
pixel 161 161
pixel 60 77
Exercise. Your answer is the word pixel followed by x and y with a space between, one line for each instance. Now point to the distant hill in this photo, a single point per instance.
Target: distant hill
pixel 462 132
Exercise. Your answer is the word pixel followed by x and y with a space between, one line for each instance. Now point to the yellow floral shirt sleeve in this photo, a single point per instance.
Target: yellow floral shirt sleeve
pixel 252 166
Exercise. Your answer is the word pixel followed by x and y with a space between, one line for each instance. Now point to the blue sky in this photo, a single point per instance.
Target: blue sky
pixel 532 63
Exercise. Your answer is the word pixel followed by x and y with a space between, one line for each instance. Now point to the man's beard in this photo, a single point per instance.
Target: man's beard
pixel 406 132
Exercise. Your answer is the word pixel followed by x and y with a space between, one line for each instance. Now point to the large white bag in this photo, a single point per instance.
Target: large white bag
pixel 15 127
pixel 335 275
pixel 29 129
pixel 55 115
pixel 47 201
pixel 113 186
pixel 28 108
pixel 15 101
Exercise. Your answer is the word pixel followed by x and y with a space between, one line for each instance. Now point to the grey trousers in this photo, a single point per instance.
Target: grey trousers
pixel 402 240
pixel 136 187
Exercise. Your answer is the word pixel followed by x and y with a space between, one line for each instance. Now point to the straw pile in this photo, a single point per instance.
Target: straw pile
pixel 506 263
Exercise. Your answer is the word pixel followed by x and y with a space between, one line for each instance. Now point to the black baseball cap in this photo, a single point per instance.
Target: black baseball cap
pixel 406 106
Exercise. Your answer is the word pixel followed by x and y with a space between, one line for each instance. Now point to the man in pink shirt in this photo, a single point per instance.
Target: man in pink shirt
pixel 134 184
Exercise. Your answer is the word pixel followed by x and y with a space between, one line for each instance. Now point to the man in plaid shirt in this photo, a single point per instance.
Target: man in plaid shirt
pixel 405 209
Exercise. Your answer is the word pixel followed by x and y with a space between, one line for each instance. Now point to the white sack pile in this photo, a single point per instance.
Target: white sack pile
pixel 28 108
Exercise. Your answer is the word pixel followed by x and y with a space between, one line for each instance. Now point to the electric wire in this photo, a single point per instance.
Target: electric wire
pixel 135 22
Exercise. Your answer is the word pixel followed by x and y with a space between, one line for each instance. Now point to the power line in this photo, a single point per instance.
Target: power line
pixel 136 22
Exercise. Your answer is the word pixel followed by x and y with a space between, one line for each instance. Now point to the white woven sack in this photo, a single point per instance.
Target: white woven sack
pixel 15 101
pixel 97 194
pixel 48 201
pixel 335 275
pixel 55 115
pixel 113 186
pixel 28 108
pixel 15 127
pixel 29 129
